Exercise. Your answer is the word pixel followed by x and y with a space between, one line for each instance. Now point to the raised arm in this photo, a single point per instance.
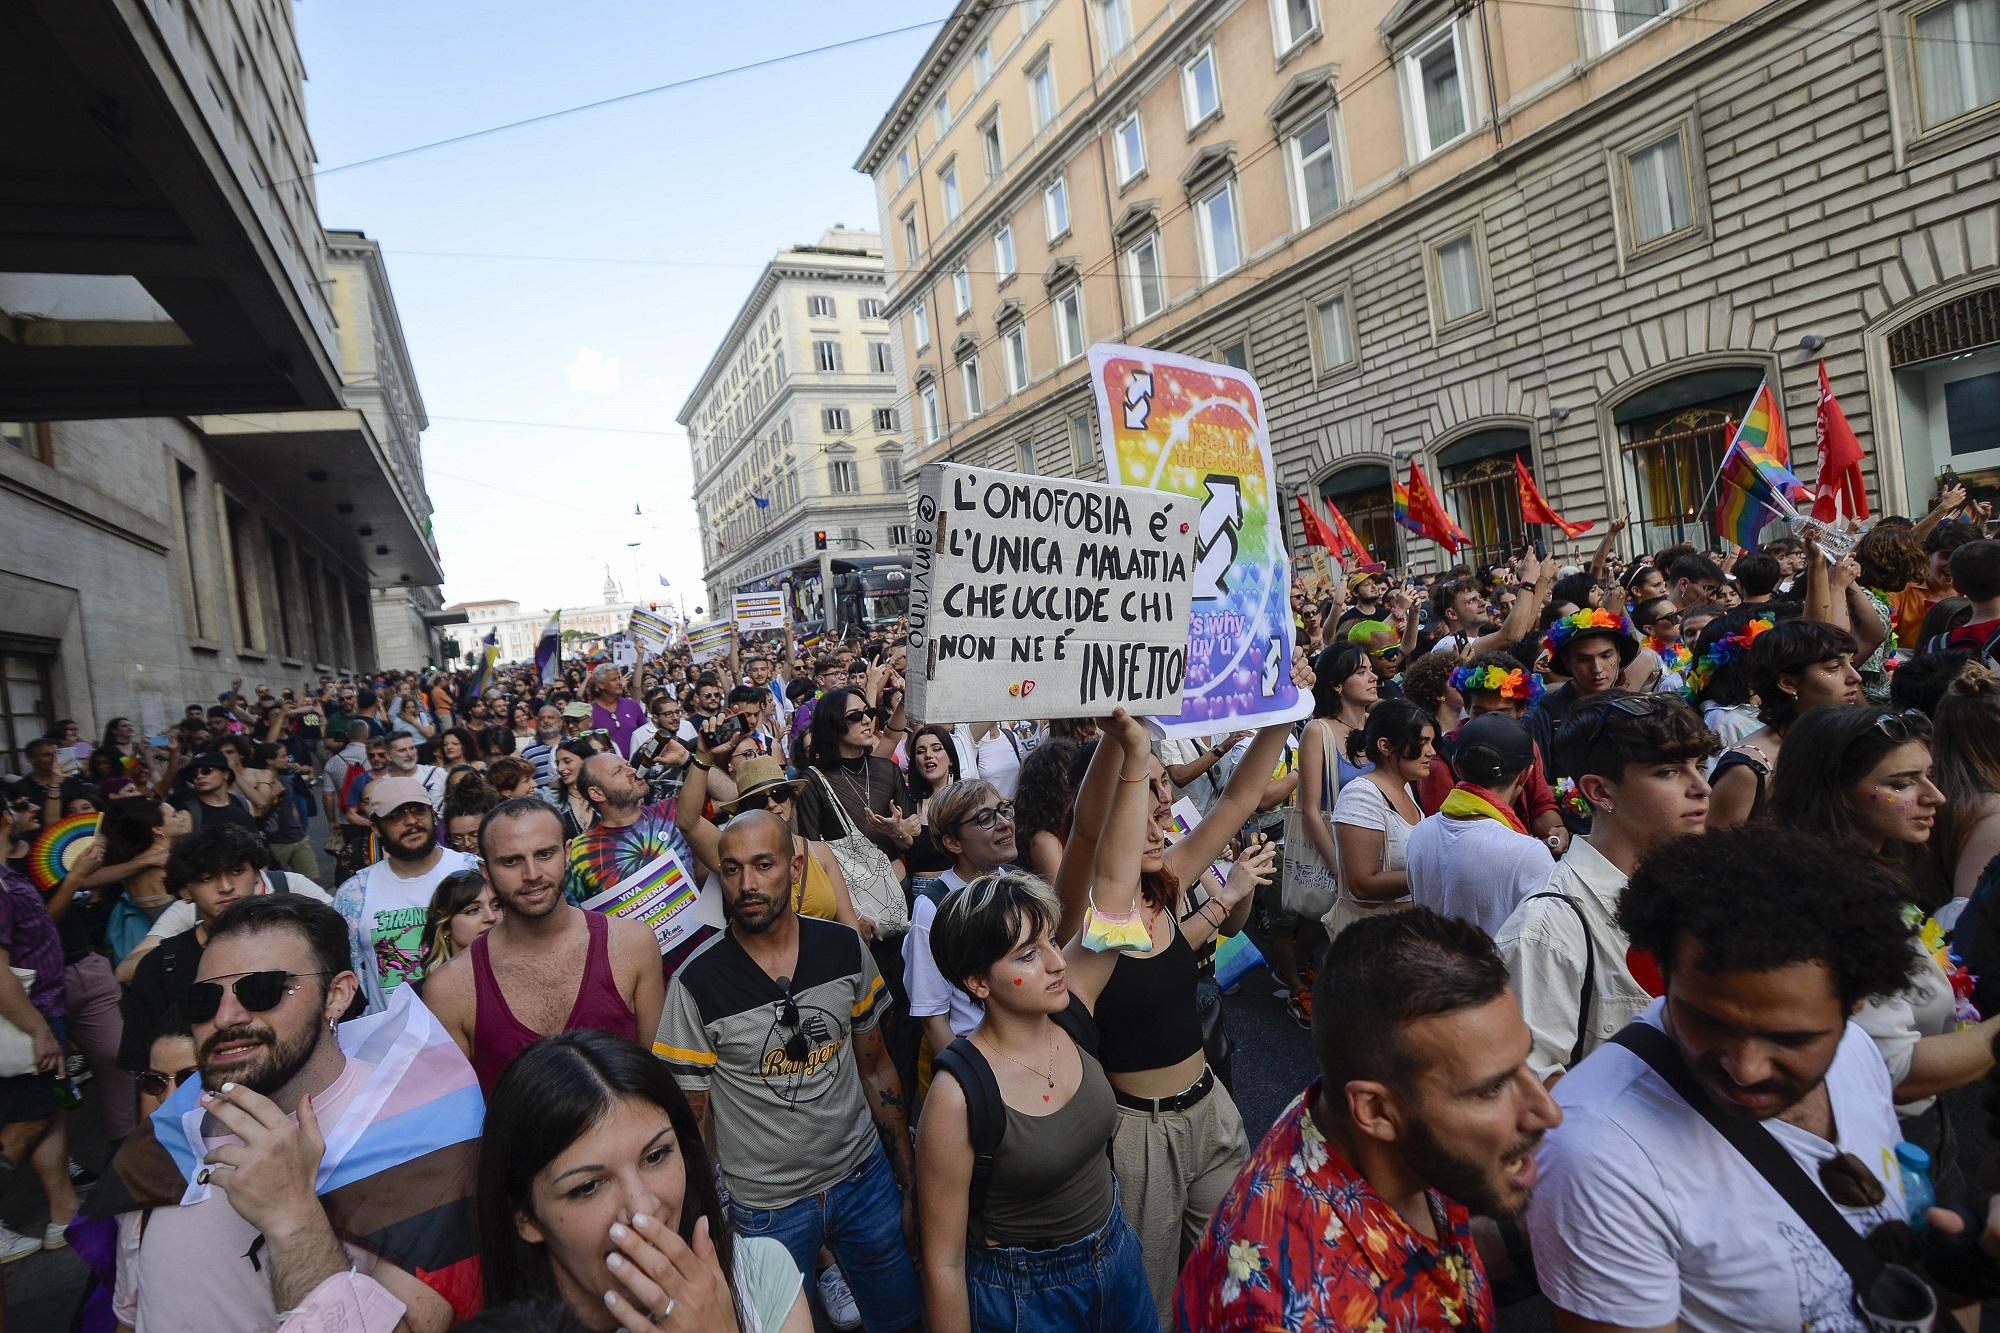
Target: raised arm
pixel 1521 616
pixel 1602 559
pixel 1086 825
pixel 1121 847
pixel 1240 799
pixel 1950 502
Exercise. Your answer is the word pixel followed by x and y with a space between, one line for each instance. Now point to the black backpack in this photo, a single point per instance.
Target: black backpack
pixel 985 1112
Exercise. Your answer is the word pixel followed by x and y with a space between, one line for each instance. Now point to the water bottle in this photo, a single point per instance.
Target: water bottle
pixel 1914 1165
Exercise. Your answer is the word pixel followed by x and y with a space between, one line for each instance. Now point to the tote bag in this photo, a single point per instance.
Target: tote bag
pixel 1310 885
pixel 17 1048
pixel 871 881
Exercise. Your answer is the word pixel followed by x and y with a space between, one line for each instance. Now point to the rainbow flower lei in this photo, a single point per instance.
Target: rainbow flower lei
pixel 1676 655
pixel 1523 686
pixel 1931 934
pixel 1729 648
pixel 1589 620
pixel 1570 797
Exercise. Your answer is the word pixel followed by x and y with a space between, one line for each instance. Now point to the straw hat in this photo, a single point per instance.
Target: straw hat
pixel 758 775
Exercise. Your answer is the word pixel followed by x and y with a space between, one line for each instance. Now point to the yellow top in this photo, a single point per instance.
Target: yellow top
pixel 813 895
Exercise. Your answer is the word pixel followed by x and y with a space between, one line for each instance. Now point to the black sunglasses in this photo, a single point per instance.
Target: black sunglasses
pixel 853 716
pixel 258 992
pixel 795 1045
pixel 1908 725
pixel 1631 705
pixel 763 799
pixel 155 1084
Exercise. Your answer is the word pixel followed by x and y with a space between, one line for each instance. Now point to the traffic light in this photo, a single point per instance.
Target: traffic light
pixel 819 541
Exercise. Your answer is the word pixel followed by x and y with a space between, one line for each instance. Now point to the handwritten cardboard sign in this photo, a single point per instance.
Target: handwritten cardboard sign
pixel 1033 597
pixel 758 611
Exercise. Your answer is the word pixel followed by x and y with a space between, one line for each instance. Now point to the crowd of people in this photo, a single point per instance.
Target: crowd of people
pixel 1644 914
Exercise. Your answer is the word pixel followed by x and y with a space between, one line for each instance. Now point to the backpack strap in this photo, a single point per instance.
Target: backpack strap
pixel 985 1119
pixel 1589 973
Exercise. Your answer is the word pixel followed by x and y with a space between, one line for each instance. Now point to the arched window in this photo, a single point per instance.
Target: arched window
pixel 1672 435
pixel 1361 490
pixel 1480 490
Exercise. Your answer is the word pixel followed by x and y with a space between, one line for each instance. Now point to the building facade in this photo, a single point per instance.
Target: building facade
pixel 794 427
pixel 515 632
pixel 1579 236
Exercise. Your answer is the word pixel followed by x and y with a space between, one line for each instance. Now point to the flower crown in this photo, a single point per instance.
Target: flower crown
pixel 1590 620
pixel 1725 650
pixel 1517 684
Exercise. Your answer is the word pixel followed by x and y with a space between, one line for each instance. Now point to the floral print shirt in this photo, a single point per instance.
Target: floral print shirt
pixel 1301 1242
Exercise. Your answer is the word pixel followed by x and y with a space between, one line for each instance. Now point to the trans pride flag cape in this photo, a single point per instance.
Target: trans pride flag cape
pixel 401 1160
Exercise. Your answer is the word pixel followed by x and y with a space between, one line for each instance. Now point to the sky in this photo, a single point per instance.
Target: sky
pixel 497 248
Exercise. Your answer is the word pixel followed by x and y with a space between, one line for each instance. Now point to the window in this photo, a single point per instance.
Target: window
pixel 871 307
pixel 1055 207
pixel 1068 305
pixel 1336 339
pixel 943 109
pixel 1003 253
pixel 1042 95
pixel 1437 93
pixel 982 61
pixel 1315 175
pixel 1619 19
pixel 1460 291
pixel 833 420
pixel 948 186
pixel 1216 216
pixel 989 146
pixel 885 418
pixel 26 702
pixel 968 375
pixel 1031 12
pixel 845 478
pixel 1296 19
pixel 1142 270
pixel 1024 456
pixel 1014 342
pixel 910 247
pixel 1657 178
pixel 903 165
pixel 928 396
pixel 961 289
pixel 1116 18
pixel 892 471
pixel 820 307
pixel 878 359
pixel 1082 441
pixel 1129 144
pixel 30 437
pixel 1199 93
pixel 1957 51
pixel 1235 354
pixel 826 356
pixel 899 534
pixel 189 487
pixel 920 324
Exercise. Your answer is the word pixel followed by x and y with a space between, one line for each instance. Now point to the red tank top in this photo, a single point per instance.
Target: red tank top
pixel 498 1036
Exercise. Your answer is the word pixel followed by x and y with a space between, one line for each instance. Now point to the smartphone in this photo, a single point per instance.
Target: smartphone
pixel 726 730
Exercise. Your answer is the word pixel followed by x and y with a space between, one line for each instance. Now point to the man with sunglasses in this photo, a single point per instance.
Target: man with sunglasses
pixel 707 707
pixel 385 904
pixel 771 1031
pixel 251 1236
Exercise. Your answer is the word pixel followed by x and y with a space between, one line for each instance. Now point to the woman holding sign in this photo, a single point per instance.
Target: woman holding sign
pixel 1131 958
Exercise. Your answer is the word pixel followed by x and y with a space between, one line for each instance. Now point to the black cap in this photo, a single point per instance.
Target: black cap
pixel 1492 748
pixel 209 759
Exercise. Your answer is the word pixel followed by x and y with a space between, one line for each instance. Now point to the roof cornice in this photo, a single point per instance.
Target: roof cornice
pixel 937 58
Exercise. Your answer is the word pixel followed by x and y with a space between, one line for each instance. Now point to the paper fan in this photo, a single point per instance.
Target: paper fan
pixel 57 848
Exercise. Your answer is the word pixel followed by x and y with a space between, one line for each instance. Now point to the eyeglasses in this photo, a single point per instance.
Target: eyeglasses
pixel 764 799
pixel 989 816
pixel 155 1084
pixel 1908 725
pixel 854 716
pixel 256 991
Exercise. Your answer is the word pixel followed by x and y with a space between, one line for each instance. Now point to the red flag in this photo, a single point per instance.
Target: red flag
pixel 1534 509
pixel 1427 516
pixel 1316 533
pixel 1347 544
pixel 1840 492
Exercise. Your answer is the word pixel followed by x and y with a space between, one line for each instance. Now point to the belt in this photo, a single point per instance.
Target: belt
pixel 1180 1101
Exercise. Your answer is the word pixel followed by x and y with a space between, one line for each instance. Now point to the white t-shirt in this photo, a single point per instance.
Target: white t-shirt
pixel 1362 805
pixel 1644 1215
pixel 385 920
pixel 999 762
pixel 1475 869
pixel 930 994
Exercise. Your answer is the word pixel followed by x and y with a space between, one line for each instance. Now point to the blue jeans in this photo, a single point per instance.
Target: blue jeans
pixel 1096 1283
pixel 861 1221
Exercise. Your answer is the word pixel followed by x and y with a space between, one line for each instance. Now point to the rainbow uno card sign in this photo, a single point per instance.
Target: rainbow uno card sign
pixel 1195 428
pixel 1033 597
pixel 758 611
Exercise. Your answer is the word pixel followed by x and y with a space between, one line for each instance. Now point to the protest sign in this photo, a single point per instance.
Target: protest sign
pixel 709 643
pixel 624 650
pixel 652 630
pixel 1193 428
pixel 1034 597
pixel 664 897
pixel 759 611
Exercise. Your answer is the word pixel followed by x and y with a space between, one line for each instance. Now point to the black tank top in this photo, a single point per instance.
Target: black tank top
pixel 1146 1017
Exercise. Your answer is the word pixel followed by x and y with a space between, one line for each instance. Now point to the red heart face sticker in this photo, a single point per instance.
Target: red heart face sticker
pixel 1184 527
pixel 1645 971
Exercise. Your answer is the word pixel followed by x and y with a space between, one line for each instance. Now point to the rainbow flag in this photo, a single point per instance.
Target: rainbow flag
pixel 1756 484
pixel 1761 433
pixel 1399 496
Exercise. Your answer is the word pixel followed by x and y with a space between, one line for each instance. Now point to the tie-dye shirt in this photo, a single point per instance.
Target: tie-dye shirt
pixel 1302 1242
pixel 601 857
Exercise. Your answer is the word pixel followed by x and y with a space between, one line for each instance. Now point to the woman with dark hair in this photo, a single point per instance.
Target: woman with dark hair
pixel 455 746
pixel 572 806
pixel 102 767
pixel 495 742
pixel 1345 687
pixel 462 909
pixel 1374 814
pixel 1890 558
pixel 1044 803
pixel 1791 668
pixel 1861 777
pixel 933 766
pixel 850 780
pixel 1040 1241
pixel 1718 676
pixel 595 1189
pixel 1966 847
pixel 137 833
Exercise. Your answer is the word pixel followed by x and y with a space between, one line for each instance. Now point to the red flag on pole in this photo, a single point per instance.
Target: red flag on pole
pixel 1348 546
pixel 1427 516
pixel 1534 509
pixel 1839 491
pixel 1316 533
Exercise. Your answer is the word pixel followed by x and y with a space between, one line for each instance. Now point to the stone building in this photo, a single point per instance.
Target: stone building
pixel 1578 235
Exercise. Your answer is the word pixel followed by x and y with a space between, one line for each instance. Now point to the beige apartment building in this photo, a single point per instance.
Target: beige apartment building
pixel 794 428
pixel 1578 234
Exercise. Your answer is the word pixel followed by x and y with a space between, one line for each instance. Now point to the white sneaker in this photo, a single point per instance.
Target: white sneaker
pixel 837 1300
pixel 52 1236
pixel 13 1245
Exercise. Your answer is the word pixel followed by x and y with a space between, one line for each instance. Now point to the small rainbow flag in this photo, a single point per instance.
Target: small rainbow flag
pixel 1755 485
pixel 1399 496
